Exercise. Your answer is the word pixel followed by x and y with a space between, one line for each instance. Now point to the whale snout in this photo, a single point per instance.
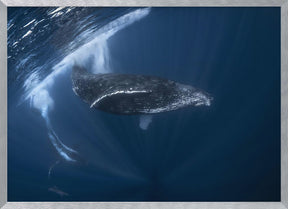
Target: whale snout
pixel 202 98
pixel 193 96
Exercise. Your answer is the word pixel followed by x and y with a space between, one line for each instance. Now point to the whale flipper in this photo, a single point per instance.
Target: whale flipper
pixel 144 121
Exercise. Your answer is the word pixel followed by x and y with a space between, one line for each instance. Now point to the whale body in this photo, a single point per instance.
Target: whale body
pixel 134 94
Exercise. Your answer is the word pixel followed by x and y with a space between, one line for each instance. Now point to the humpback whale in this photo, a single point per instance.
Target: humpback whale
pixel 130 94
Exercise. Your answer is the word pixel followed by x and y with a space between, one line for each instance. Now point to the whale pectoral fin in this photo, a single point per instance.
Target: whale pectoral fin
pixel 112 93
pixel 145 121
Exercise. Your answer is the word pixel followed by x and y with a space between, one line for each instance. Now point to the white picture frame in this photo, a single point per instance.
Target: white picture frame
pixel 159 205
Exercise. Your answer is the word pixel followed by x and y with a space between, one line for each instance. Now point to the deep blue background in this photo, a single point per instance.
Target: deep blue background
pixel 227 152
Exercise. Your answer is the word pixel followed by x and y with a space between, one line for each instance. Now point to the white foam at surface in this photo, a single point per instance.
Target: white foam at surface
pixel 97 50
pixel 10 26
pixel 29 23
pixel 57 14
pixel 95 53
pixel 27 34
pixel 56 10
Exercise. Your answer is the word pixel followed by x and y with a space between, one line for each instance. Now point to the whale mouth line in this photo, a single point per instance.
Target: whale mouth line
pixel 94 104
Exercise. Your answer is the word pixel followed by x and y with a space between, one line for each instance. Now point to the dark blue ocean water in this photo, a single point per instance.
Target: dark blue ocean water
pixel 229 151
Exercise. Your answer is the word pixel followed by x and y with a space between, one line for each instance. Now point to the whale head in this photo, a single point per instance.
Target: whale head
pixel 193 96
pixel 202 98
